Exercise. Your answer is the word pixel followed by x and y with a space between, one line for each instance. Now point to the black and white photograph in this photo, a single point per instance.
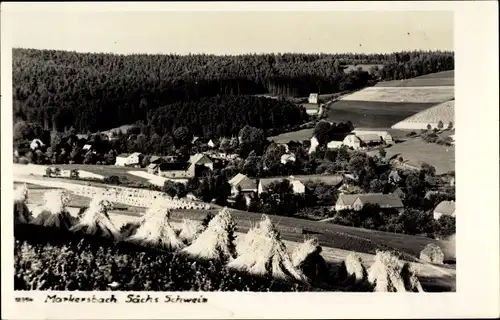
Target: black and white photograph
pixel 233 151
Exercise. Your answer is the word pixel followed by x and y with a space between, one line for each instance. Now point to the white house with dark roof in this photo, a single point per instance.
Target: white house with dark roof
pixel 246 184
pixel 370 135
pixel 352 141
pixel 126 159
pixel 201 159
pixel 313 98
pixel 358 201
pixel 444 208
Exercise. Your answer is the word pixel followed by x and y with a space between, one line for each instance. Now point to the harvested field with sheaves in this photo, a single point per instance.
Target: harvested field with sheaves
pixel 329 235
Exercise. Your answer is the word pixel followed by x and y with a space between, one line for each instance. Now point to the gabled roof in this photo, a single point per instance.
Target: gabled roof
pixel 446 208
pixel 241 180
pixel 154 159
pixel 136 154
pixel 352 139
pixel 383 200
pixel 347 199
pixel 197 158
pixel 153 165
pixel 368 137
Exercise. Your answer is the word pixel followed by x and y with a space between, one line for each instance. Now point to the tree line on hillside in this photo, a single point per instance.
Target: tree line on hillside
pixel 96 91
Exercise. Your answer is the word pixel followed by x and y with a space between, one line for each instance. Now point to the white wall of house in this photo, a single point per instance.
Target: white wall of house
pixel 352 141
pixel 121 161
pixel 313 98
pixel 298 187
pixel 314 145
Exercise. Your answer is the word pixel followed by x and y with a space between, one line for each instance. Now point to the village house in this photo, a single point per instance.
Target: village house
pixel 183 170
pixel 241 181
pixel 201 159
pixel 352 141
pixel 445 208
pixel 370 134
pixel 175 170
pixel 126 159
pixel 313 98
pixel 369 139
pixel 358 201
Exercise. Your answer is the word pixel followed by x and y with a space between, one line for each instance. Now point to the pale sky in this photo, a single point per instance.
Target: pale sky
pixel 234 32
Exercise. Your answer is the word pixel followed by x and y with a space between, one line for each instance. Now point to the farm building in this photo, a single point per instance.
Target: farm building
pixel 176 170
pixel 298 186
pixel 87 147
pixel 445 208
pixel 126 159
pixel 201 159
pixel 334 144
pixel 246 184
pixel 352 141
pixel 444 112
pixel 345 201
pixel 358 201
pixel 369 138
pixel 382 135
pixel 153 168
pixel 288 157
pixel 155 159
pixel 313 98
pixel 385 201
pixel 184 170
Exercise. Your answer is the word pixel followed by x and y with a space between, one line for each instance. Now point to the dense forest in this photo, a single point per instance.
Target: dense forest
pixel 98 91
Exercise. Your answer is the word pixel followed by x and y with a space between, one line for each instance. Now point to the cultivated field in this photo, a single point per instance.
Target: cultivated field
pixel 300 135
pixel 373 114
pixel 444 112
pixel 445 78
pixel 416 151
pixel 294 229
pixel 436 94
